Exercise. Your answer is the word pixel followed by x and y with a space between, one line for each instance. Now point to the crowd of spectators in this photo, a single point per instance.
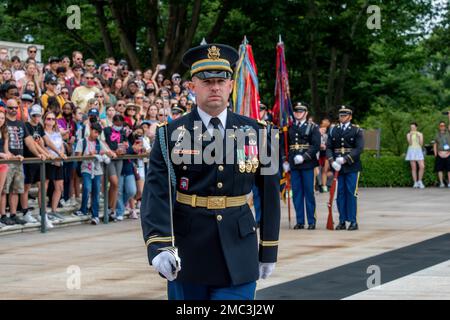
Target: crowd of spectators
pixel 73 107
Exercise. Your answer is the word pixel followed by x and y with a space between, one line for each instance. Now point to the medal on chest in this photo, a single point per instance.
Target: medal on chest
pixel 241 160
pixel 251 153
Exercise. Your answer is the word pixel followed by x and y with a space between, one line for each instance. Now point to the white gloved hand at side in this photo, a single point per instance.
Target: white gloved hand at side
pixel 166 264
pixel 336 166
pixel 266 269
pixel 298 159
pixel 286 166
pixel 340 160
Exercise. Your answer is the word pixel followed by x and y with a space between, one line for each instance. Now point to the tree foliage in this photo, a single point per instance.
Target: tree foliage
pixel 332 56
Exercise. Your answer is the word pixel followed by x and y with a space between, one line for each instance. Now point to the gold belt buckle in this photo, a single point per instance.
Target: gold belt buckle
pixel 215 203
pixel 342 150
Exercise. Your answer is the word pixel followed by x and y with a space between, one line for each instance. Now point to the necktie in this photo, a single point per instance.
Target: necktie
pixel 215 122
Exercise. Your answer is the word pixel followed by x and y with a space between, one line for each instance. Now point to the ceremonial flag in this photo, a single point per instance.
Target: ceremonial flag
pixel 245 91
pixel 282 117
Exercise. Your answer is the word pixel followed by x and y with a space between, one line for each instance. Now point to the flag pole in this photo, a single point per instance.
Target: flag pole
pixel 284 128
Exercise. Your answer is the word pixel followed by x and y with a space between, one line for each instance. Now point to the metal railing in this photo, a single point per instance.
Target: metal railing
pixel 43 190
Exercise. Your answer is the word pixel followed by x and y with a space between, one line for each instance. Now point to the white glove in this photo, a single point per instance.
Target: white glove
pixel 266 269
pixel 336 166
pixel 166 264
pixel 340 160
pixel 286 166
pixel 106 159
pixel 99 158
pixel 298 159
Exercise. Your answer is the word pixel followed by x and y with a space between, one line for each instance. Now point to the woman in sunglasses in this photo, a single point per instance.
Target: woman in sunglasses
pixel 64 94
pixel 54 171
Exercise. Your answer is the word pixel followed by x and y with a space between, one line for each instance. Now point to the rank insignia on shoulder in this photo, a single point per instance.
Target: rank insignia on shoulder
pixel 245 128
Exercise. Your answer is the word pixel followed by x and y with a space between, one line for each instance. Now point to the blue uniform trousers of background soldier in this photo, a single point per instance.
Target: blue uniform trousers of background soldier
pixel 177 290
pixel 347 196
pixel 303 194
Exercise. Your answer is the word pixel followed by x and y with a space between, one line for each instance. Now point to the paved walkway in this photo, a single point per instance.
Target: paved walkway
pixel 113 263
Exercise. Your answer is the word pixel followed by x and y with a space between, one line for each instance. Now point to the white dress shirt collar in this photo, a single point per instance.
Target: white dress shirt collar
pixel 345 125
pixel 207 117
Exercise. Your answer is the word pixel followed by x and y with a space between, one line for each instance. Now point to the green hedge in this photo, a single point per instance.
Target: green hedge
pixel 392 171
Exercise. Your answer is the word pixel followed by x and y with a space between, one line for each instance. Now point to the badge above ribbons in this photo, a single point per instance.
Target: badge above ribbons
pixel 247 158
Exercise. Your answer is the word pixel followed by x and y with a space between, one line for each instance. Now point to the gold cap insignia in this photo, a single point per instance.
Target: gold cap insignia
pixel 214 53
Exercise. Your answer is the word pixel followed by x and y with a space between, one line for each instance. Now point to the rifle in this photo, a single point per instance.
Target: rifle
pixel 288 174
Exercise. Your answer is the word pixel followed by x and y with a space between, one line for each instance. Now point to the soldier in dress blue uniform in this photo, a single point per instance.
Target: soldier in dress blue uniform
pixel 264 113
pixel 303 144
pixel 344 147
pixel 267 117
pixel 215 253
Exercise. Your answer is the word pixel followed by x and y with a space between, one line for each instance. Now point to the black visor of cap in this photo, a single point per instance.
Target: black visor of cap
pixel 213 74
pixel 300 109
pixel 345 111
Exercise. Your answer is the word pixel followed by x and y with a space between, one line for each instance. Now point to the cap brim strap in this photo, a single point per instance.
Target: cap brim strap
pixel 213 74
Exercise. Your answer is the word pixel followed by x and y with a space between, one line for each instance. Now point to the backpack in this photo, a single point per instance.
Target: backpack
pixel 97 146
pixel 83 132
pixel 97 150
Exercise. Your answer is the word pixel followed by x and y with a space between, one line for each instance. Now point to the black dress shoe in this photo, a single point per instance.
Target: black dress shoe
pixel 312 227
pixel 353 226
pixel 299 226
pixel 341 226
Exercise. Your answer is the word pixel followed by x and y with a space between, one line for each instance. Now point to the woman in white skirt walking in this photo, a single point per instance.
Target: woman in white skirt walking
pixel 415 155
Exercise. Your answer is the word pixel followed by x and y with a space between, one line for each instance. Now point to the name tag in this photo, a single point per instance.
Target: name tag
pixel 178 151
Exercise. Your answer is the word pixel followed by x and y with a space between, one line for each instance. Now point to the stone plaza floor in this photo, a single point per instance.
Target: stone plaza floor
pixel 402 247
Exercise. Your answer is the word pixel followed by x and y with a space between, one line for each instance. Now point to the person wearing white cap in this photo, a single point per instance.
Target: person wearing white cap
pixel 176 78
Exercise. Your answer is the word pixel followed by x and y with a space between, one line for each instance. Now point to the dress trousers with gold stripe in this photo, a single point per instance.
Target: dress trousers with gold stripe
pixel 304 140
pixel 347 142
